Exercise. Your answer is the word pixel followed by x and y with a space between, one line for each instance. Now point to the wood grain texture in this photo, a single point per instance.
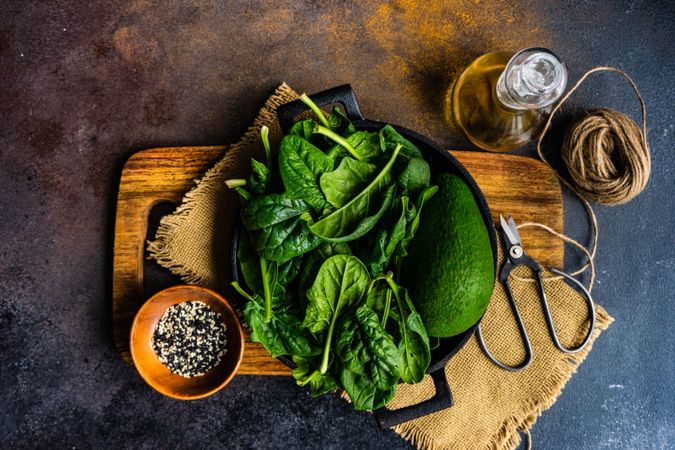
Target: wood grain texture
pixel 517 185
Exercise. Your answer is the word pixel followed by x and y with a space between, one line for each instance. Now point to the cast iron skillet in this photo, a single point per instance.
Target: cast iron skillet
pixel 440 160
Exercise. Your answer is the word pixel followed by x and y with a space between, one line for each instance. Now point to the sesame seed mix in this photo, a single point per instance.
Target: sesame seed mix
pixel 190 339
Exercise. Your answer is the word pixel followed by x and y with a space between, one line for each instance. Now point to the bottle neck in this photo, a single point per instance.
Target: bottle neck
pixel 505 100
pixel 534 78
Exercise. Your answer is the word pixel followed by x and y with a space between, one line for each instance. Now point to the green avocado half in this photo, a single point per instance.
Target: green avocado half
pixel 449 268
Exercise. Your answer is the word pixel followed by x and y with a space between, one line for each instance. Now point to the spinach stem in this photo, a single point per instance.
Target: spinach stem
pixel 266 290
pixel 238 185
pixel 330 134
pixel 241 291
pixel 234 183
pixel 387 305
pixel 307 217
pixel 375 280
pixel 394 288
pixel 326 350
pixel 397 294
pixel 309 378
pixel 308 101
pixel 264 135
pixel 244 193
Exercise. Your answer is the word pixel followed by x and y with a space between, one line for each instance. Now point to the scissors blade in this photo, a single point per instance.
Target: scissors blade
pixel 514 228
pixel 509 230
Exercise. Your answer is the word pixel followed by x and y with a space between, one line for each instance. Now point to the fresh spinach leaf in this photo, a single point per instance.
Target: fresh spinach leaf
pixel 378 299
pixel 363 394
pixel 263 332
pixel 390 138
pixel 413 341
pixel 360 144
pixel 336 121
pixel 303 128
pixel 262 276
pixel 367 223
pixel 305 373
pixel 414 178
pixel 365 144
pixel 339 123
pixel 341 282
pixel 315 259
pixel 289 270
pixel 336 152
pixel 369 359
pixel 342 126
pixel 364 347
pixel 260 178
pixel 387 240
pixel 249 263
pixel 342 184
pixel 414 222
pixel 278 227
pixel 376 260
pixel 271 209
pixel 301 164
pixel 283 334
pixel 414 349
pixel 398 230
pixel 361 213
pixel 285 240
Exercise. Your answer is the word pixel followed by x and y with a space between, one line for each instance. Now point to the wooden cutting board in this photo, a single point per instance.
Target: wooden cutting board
pixel 524 187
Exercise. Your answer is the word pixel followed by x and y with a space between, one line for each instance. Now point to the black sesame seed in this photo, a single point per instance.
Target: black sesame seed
pixel 190 338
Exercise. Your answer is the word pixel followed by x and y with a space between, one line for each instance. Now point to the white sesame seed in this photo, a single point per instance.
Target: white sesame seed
pixel 190 338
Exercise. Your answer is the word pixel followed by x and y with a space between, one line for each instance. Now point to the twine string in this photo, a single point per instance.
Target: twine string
pixel 607 156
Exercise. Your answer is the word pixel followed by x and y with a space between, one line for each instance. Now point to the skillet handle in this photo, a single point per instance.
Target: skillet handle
pixel 340 94
pixel 387 418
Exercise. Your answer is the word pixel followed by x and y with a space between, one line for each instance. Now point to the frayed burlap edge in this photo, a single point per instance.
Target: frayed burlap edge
pixel 508 436
pixel 160 248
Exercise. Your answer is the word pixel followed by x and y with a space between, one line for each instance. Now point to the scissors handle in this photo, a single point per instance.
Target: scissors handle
pixel 549 319
pixel 523 334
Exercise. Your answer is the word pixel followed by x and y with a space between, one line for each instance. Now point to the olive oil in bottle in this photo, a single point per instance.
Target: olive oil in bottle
pixel 502 100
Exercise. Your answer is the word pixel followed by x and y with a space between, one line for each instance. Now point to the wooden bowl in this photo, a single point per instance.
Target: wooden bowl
pixel 157 374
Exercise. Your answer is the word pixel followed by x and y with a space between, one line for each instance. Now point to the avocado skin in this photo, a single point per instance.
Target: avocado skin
pixel 449 268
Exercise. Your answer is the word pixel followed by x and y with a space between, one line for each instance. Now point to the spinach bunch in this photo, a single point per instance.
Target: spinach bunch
pixel 327 223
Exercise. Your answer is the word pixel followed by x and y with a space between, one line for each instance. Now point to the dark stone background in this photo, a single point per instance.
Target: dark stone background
pixel 85 84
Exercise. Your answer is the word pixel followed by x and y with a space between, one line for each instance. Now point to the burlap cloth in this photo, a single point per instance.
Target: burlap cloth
pixel 491 405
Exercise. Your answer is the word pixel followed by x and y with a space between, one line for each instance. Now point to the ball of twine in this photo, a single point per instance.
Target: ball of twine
pixel 607 157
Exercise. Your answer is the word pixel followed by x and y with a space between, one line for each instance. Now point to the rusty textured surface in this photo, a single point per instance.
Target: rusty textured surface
pixel 84 84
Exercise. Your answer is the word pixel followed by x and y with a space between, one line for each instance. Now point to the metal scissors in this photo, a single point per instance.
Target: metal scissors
pixel 516 256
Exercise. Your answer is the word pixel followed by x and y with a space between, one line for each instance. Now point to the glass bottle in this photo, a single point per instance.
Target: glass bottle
pixel 502 100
